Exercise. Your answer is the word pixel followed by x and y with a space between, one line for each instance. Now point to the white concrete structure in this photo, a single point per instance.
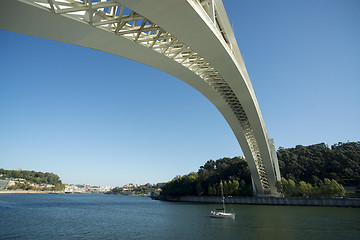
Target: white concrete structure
pixel 189 39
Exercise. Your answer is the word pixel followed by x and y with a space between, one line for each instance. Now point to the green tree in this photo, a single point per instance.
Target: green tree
pixel 341 162
pixel 199 189
pixel 331 188
pixel 289 187
pixel 305 189
pixel 59 187
pixel 211 191
pixel 230 170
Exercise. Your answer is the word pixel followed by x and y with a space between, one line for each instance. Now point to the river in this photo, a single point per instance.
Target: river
pixel 99 216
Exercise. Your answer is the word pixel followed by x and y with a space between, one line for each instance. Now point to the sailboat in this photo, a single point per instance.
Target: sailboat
pixel 221 213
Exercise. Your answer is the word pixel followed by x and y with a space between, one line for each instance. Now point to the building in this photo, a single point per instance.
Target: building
pixel 321 145
pixel 4 184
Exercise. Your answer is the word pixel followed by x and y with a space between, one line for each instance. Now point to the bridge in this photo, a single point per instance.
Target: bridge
pixel 189 39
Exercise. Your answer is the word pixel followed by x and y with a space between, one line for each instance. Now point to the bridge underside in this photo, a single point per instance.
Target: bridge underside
pixel 191 40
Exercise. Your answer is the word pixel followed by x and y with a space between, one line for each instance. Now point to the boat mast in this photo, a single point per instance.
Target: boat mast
pixel 222 193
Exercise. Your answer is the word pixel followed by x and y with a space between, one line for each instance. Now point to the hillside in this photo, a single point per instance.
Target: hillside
pixel 341 162
pixel 31 180
pixel 306 170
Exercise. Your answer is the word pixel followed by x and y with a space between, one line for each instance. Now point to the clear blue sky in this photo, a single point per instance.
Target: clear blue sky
pixel 99 119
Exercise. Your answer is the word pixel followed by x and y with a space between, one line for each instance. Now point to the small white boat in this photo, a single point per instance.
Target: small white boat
pixel 221 213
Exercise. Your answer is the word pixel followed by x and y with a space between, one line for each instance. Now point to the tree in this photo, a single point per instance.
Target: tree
pixel 312 163
pixel 211 190
pixel 206 180
pixel 331 188
pixel 32 176
pixel 199 189
pixel 302 169
pixel 326 188
pixel 59 187
pixel 289 187
pixel 235 187
pixel 305 188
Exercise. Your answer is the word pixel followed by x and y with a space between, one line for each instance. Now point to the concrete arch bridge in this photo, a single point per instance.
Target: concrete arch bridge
pixel 189 39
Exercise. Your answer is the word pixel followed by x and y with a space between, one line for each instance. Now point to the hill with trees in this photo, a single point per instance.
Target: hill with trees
pixel 341 162
pixel 306 171
pixel 136 190
pixel 234 172
pixel 31 178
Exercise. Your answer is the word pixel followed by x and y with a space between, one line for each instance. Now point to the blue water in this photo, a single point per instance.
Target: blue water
pixel 98 216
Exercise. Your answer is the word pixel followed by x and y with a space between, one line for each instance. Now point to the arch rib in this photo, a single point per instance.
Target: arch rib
pixel 114 17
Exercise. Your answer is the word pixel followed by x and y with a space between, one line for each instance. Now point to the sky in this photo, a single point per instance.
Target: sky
pixel 98 119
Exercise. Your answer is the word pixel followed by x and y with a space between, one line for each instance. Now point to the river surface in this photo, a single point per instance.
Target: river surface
pixel 99 216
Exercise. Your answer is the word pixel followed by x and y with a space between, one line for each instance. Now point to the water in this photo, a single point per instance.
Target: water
pixel 98 216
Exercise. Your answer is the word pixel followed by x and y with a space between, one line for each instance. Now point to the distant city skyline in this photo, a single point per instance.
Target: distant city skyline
pixel 78 113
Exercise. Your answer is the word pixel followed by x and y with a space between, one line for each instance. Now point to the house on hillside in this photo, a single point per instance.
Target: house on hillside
pixel 4 184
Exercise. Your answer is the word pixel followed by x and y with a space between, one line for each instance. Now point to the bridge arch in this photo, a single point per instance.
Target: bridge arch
pixel 189 39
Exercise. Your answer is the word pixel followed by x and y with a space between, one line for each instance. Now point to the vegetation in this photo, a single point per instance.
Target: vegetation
pixel 31 178
pixel 206 182
pixel 307 171
pixel 310 164
pixel 139 190
pixel 27 186
pixel 326 188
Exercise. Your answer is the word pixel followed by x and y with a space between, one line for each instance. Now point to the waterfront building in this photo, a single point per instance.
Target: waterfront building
pixel 4 184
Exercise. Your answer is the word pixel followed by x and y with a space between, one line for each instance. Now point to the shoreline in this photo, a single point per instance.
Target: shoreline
pixel 30 192
pixel 281 201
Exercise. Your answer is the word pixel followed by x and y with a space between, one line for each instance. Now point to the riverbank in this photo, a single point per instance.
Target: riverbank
pixel 329 202
pixel 30 192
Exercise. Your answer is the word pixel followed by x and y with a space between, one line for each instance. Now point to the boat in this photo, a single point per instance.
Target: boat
pixel 221 212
